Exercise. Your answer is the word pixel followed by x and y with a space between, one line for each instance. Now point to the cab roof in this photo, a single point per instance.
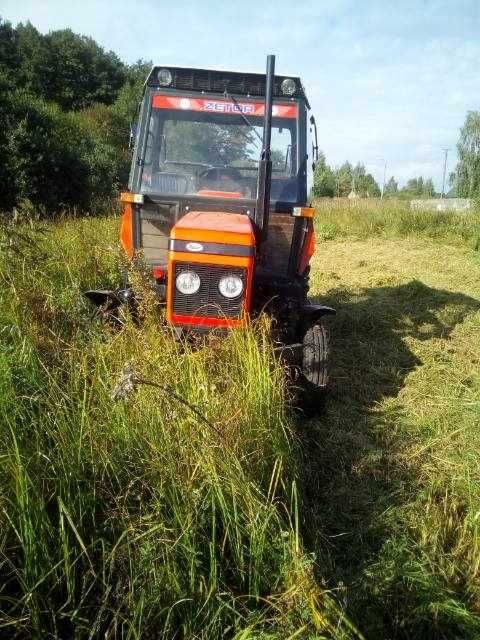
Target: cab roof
pixel 220 81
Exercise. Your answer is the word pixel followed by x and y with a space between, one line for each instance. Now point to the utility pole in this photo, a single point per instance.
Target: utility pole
pixel 384 162
pixel 384 177
pixel 445 151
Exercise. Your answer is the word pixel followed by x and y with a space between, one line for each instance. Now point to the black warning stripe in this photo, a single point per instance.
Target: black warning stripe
pixel 216 248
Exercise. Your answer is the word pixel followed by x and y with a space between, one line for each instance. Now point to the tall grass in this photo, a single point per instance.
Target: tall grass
pixel 141 517
pixel 341 218
pixel 194 505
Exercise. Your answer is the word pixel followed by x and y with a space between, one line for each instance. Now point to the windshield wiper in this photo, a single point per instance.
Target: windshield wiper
pixel 242 115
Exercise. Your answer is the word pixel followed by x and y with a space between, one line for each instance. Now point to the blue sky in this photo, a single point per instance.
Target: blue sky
pixel 386 79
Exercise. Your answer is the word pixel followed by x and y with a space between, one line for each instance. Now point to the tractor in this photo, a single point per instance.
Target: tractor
pixel 217 206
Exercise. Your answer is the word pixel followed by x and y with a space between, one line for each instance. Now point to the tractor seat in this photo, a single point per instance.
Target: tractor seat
pixel 169 182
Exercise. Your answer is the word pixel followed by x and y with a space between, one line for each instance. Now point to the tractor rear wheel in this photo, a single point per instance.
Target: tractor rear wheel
pixel 315 364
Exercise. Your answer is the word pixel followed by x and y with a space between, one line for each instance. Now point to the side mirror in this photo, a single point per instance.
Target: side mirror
pixel 314 144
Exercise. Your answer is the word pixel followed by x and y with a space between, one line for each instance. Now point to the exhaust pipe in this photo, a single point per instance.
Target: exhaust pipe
pixel 262 209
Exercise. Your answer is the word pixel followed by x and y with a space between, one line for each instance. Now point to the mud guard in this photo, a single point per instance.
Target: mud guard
pixel 310 313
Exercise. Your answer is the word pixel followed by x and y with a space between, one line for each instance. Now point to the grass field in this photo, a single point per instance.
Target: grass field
pixel 141 518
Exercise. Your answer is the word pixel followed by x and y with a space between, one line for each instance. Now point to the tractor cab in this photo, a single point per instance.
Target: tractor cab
pixel 217 197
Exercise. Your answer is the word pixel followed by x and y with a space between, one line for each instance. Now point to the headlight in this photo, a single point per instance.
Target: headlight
pixel 164 77
pixel 230 286
pixel 288 87
pixel 187 282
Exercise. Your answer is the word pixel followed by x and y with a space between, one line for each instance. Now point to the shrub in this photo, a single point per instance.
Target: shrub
pixel 59 160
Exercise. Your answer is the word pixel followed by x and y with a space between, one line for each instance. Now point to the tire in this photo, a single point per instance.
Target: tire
pixel 315 365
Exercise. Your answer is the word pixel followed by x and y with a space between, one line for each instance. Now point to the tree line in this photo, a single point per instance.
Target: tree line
pixel 465 180
pixel 66 106
pixel 348 179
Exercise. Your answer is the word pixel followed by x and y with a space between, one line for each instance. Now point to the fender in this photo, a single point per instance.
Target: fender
pixel 313 312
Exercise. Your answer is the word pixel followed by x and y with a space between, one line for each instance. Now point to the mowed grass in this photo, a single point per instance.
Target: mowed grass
pixel 392 480
pixel 171 512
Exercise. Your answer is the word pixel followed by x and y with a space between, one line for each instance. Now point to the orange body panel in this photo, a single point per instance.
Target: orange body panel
pixel 212 227
pixel 308 247
pixel 198 321
pixel 219 194
pixel 126 230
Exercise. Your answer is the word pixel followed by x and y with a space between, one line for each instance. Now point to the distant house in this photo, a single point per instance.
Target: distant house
pixel 353 195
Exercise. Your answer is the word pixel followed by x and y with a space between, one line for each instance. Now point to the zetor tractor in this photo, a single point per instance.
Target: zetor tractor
pixel 216 205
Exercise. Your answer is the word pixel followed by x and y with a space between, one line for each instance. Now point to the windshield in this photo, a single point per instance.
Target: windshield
pixel 212 148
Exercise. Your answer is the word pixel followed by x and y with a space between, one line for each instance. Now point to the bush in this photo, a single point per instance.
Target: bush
pixel 59 160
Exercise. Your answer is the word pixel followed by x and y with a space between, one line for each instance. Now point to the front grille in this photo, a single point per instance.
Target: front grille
pixel 219 82
pixel 208 302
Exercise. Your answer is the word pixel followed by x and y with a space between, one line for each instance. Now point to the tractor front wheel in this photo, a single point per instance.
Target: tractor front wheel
pixel 315 365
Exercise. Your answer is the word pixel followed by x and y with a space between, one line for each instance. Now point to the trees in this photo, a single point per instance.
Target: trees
pixel 7 197
pixel 391 188
pixel 9 56
pixel 414 187
pixel 467 173
pixel 129 96
pixel 418 188
pixel 55 159
pixel 62 66
pixel 83 72
pixel 365 184
pixel 62 143
pixel 343 180
pixel 428 188
pixel 323 179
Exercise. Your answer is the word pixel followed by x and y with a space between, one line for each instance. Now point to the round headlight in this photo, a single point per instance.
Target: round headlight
pixel 187 282
pixel 164 77
pixel 288 87
pixel 230 286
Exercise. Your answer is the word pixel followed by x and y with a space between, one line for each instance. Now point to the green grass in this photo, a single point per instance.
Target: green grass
pixel 392 481
pixel 139 518
pixel 341 218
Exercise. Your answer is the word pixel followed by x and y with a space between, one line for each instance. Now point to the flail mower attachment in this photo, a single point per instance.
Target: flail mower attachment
pixel 108 303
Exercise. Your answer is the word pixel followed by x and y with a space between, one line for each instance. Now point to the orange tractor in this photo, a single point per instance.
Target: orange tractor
pixel 217 206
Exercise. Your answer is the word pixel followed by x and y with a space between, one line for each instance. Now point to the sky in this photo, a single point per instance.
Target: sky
pixel 387 80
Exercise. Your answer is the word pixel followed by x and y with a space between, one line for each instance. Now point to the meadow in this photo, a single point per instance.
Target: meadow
pixel 153 489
